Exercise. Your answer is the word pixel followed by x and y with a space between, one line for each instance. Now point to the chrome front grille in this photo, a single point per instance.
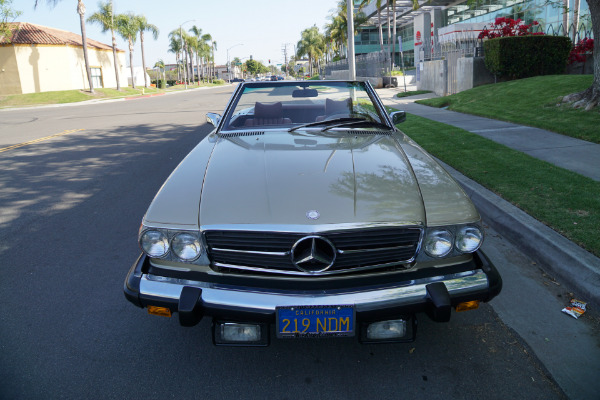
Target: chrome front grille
pixel 270 252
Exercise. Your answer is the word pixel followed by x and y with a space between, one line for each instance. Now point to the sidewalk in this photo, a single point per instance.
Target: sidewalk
pixel 564 151
pixel 568 262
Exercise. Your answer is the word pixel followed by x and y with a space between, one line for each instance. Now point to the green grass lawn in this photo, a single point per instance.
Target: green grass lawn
pixel 412 93
pixel 531 102
pixel 567 202
pixel 74 96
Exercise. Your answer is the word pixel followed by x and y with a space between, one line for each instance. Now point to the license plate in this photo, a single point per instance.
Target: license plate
pixel 315 321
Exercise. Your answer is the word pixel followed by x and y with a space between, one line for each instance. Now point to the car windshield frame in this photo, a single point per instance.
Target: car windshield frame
pixel 357 90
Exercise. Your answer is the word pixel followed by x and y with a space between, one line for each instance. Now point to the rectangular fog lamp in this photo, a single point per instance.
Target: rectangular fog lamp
pixel 394 329
pixel 231 332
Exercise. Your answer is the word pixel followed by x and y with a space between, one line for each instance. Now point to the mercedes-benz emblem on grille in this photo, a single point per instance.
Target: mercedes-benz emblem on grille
pixel 313 254
pixel 313 214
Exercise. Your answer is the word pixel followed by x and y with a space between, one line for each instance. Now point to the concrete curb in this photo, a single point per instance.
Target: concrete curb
pixel 575 267
pixel 108 100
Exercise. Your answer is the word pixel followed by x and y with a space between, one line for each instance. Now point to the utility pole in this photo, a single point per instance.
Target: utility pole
pixel 285 58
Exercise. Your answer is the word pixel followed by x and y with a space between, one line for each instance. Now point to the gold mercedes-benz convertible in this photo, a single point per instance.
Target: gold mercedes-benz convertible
pixel 305 214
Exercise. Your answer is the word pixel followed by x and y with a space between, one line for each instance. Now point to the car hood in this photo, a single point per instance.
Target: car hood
pixel 278 178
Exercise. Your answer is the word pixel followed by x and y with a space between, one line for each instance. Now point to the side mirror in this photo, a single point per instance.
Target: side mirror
pixel 398 117
pixel 213 119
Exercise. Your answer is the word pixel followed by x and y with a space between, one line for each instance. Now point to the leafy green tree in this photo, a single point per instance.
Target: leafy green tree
pixel 160 64
pixel 128 28
pixel 145 26
pixel 254 67
pixel 7 15
pixel 312 44
pixel 105 18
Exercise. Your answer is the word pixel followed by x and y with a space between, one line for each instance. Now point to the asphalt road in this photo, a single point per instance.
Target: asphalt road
pixel 70 207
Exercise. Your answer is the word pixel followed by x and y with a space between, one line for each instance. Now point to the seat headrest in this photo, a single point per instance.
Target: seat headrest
pixel 268 111
pixel 338 106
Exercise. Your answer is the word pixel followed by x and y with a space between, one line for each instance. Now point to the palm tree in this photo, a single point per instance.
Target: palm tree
pixel 338 28
pixel 214 69
pixel 394 34
pixel 191 43
pixel 311 44
pixel 179 35
pixel 104 17
pixel 144 26
pixel 198 36
pixel 378 4
pixel 206 51
pixel 334 33
pixel 81 12
pixel 175 47
pixel 127 26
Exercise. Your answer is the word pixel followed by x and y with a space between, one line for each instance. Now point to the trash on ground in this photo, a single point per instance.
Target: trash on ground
pixel 576 309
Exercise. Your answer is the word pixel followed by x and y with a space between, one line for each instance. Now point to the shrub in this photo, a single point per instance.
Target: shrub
pixel 218 82
pixel 583 47
pixel 519 57
pixel 505 27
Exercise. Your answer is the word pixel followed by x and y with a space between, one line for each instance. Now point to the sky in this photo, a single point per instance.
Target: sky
pixel 259 28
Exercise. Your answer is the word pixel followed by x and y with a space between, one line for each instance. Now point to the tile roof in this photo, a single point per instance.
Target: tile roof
pixel 26 33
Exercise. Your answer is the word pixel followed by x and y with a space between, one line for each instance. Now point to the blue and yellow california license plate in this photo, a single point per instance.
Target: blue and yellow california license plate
pixel 315 321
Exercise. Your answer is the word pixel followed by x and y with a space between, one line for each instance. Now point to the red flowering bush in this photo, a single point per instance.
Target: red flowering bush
pixel 583 47
pixel 505 27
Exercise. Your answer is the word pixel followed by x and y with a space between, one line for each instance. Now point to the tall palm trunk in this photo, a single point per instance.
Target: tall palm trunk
pixel 380 29
pixel 114 49
pixel 131 63
pixel 198 67
pixel 394 35
pixel 178 70
pixel 143 58
pixel 81 12
pixel 184 61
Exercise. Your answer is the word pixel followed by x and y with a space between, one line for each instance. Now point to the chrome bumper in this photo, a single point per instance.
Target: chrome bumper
pixel 432 294
pixel 249 300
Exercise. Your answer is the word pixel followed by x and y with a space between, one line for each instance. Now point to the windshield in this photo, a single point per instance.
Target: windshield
pixel 303 105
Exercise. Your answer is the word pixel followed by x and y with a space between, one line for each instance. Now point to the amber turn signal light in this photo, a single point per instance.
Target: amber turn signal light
pixel 160 311
pixel 467 305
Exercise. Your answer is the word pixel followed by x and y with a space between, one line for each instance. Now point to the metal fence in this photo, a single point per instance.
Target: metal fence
pixel 464 44
pixel 469 46
pixel 371 65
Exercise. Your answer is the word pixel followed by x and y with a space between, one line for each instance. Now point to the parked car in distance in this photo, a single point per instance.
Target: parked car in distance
pixel 237 80
pixel 306 213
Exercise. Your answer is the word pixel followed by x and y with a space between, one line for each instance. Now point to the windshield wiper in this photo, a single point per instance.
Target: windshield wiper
pixel 361 122
pixel 328 121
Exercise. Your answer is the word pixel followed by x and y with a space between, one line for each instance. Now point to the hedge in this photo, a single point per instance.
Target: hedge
pixel 518 57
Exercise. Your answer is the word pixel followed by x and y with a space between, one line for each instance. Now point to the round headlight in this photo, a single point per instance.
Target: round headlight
pixel 154 243
pixel 438 243
pixel 186 246
pixel 468 239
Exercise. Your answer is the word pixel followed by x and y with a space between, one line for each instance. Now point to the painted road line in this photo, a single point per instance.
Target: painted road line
pixel 16 146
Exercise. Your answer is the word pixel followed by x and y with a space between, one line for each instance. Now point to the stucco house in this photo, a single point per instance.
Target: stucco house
pixel 41 59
